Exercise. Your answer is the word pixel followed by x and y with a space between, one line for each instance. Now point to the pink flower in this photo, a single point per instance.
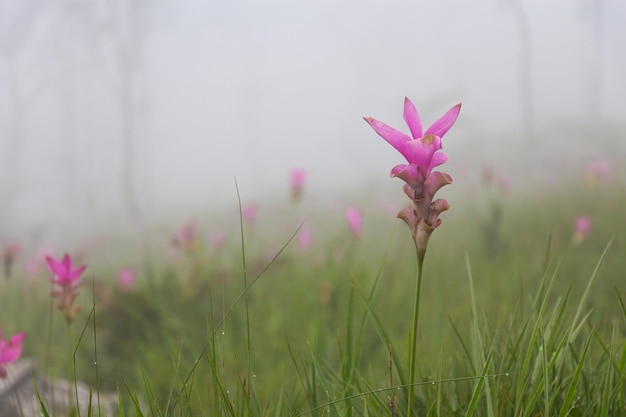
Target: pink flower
pixel 10 351
pixel 248 212
pixel 305 239
pixel 10 253
pixel 217 239
pixel 33 266
pixel 298 177
pixel 68 280
pixel 421 149
pixel 185 237
pixel 582 226
pixel 597 170
pixel 355 221
pixel 126 279
pixel 422 152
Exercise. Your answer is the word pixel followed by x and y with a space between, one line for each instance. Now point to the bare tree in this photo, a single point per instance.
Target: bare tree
pixel 18 21
pixel 124 34
pixel 525 69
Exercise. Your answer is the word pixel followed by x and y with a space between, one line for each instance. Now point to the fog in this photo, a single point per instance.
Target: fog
pixel 125 110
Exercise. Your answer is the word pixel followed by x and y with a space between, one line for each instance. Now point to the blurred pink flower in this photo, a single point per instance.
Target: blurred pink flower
pixel 33 266
pixel 249 212
pixel 305 239
pixel 504 183
pixel 126 279
pixel 597 170
pixel 10 351
pixel 185 237
pixel 216 239
pixel 68 280
pixel 355 221
pixel 10 253
pixel 298 177
pixel 582 226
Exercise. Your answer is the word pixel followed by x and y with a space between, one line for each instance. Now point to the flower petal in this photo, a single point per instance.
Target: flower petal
pixel 395 138
pixel 435 181
pixel 421 152
pixel 412 119
pixel 438 159
pixel 444 123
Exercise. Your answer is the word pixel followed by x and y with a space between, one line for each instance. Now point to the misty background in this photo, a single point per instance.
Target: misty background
pixel 127 110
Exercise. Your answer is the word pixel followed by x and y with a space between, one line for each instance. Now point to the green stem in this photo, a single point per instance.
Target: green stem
pixel 69 367
pixel 413 345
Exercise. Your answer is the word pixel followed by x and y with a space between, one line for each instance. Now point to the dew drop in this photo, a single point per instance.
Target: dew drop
pixel 95 363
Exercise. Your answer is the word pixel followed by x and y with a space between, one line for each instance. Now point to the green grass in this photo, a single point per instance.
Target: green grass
pixel 515 319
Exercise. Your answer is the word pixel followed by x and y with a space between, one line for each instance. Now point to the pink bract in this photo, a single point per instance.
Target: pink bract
pixel 583 225
pixel 10 351
pixel 355 221
pixel 421 149
pixel 248 212
pixel 63 273
pixel 126 279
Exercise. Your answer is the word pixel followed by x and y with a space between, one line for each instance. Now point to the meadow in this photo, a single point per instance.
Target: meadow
pixel 520 316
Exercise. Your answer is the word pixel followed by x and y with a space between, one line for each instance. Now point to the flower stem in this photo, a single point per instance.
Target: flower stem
pixel 413 345
pixel 69 367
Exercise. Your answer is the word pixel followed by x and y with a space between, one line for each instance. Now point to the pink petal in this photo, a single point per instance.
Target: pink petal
pixel 438 159
pixel 435 181
pixel 55 266
pixel 412 119
pixel 409 173
pixel 444 123
pixel 395 138
pixel 421 151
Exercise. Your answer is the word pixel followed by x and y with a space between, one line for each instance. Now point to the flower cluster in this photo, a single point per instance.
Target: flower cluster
pixel 422 152
pixel 10 351
pixel 68 280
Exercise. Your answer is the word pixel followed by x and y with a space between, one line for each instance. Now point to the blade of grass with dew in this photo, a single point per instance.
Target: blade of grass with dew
pixel 245 298
pixel 80 339
pixel 135 400
pixel 605 405
pixel 478 388
pixel 120 406
pixel 592 279
pixel 381 331
pixel 478 346
pixel 241 295
pixel 524 374
pixel 571 392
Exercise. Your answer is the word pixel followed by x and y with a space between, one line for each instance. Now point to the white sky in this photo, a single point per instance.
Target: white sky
pixel 252 89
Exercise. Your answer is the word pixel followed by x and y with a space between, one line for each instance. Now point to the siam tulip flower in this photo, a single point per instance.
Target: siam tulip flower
pixel 355 221
pixel 10 351
pixel 582 226
pixel 298 177
pixel 185 237
pixel 35 264
pixel 422 151
pixel 249 212
pixel 597 170
pixel 305 239
pixel 216 239
pixel 10 253
pixel 126 279
pixel 68 280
